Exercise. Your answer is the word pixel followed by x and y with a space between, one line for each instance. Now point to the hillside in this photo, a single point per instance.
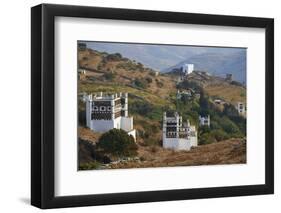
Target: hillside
pixel 143 82
pixel 150 94
pixel 112 72
pixel 218 87
pixel 164 58
pixel 232 151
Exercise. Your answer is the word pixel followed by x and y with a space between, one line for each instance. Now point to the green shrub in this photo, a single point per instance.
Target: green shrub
pixel 156 113
pixel 204 129
pixel 220 135
pixel 206 138
pixel 118 143
pixel 230 110
pixel 243 94
pixel 109 76
pixel 114 57
pixel 159 83
pixel 90 165
pixel 82 117
pixel 215 125
pixel 228 126
pixel 140 83
pixel 139 66
pixel 187 84
pixel 142 158
pixel 140 107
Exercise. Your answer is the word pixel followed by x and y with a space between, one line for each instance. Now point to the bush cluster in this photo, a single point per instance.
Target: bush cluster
pixel 117 143
pixel 142 83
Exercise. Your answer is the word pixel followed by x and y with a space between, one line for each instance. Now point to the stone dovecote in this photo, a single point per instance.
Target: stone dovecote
pixel 108 111
pixel 178 135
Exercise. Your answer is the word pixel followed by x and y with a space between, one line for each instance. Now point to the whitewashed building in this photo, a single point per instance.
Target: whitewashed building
pixel 204 120
pixel 241 108
pixel 178 135
pixel 108 111
pixel 228 77
pixel 187 68
pixel 219 101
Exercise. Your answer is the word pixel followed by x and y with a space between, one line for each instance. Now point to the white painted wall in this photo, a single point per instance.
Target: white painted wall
pixel 193 141
pixel 127 123
pixel 176 143
pixel 190 68
pixel 88 113
pixel 15 166
pixel 132 133
pixel 204 121
pixel 105 125
pixel 187 68
pixel 179 143
pixel 118 123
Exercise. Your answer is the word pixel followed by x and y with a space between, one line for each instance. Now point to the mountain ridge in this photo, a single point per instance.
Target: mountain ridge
pixel 217 64
pixel 163 57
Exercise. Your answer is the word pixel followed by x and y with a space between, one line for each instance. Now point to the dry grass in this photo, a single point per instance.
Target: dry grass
pixel 232 151
pixel 153 93
pixel 229 93
pixel 88 135
pixel 159 97
pixel 89 59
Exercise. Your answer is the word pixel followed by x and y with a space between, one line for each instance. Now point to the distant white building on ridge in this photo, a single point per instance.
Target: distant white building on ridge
pixel 241 108
pixel 187 68
pixel 108 111
pixel 178 135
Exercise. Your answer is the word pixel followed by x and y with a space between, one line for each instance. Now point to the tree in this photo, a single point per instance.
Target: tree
pixel 185 98
pixel 140 83
pixel 187 84
pixel 109 76
pixel 114 57
pixel 219 135
pixel 141 107
pixel 206 138
pixel 230 110
pixel 204 104
pixel 118 143
pixel 228 126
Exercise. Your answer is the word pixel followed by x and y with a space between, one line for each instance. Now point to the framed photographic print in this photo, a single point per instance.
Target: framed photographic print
pixel 139 106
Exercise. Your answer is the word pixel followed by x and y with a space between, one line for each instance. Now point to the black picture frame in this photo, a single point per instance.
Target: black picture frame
pixel 43 105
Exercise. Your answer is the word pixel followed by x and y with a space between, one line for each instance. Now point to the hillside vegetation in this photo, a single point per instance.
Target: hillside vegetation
pixel 152 93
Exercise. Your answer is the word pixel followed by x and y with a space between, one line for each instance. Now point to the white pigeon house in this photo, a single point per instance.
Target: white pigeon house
pixel 204 120
pixel 178 135
pixel 241 108
pixel 108 111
